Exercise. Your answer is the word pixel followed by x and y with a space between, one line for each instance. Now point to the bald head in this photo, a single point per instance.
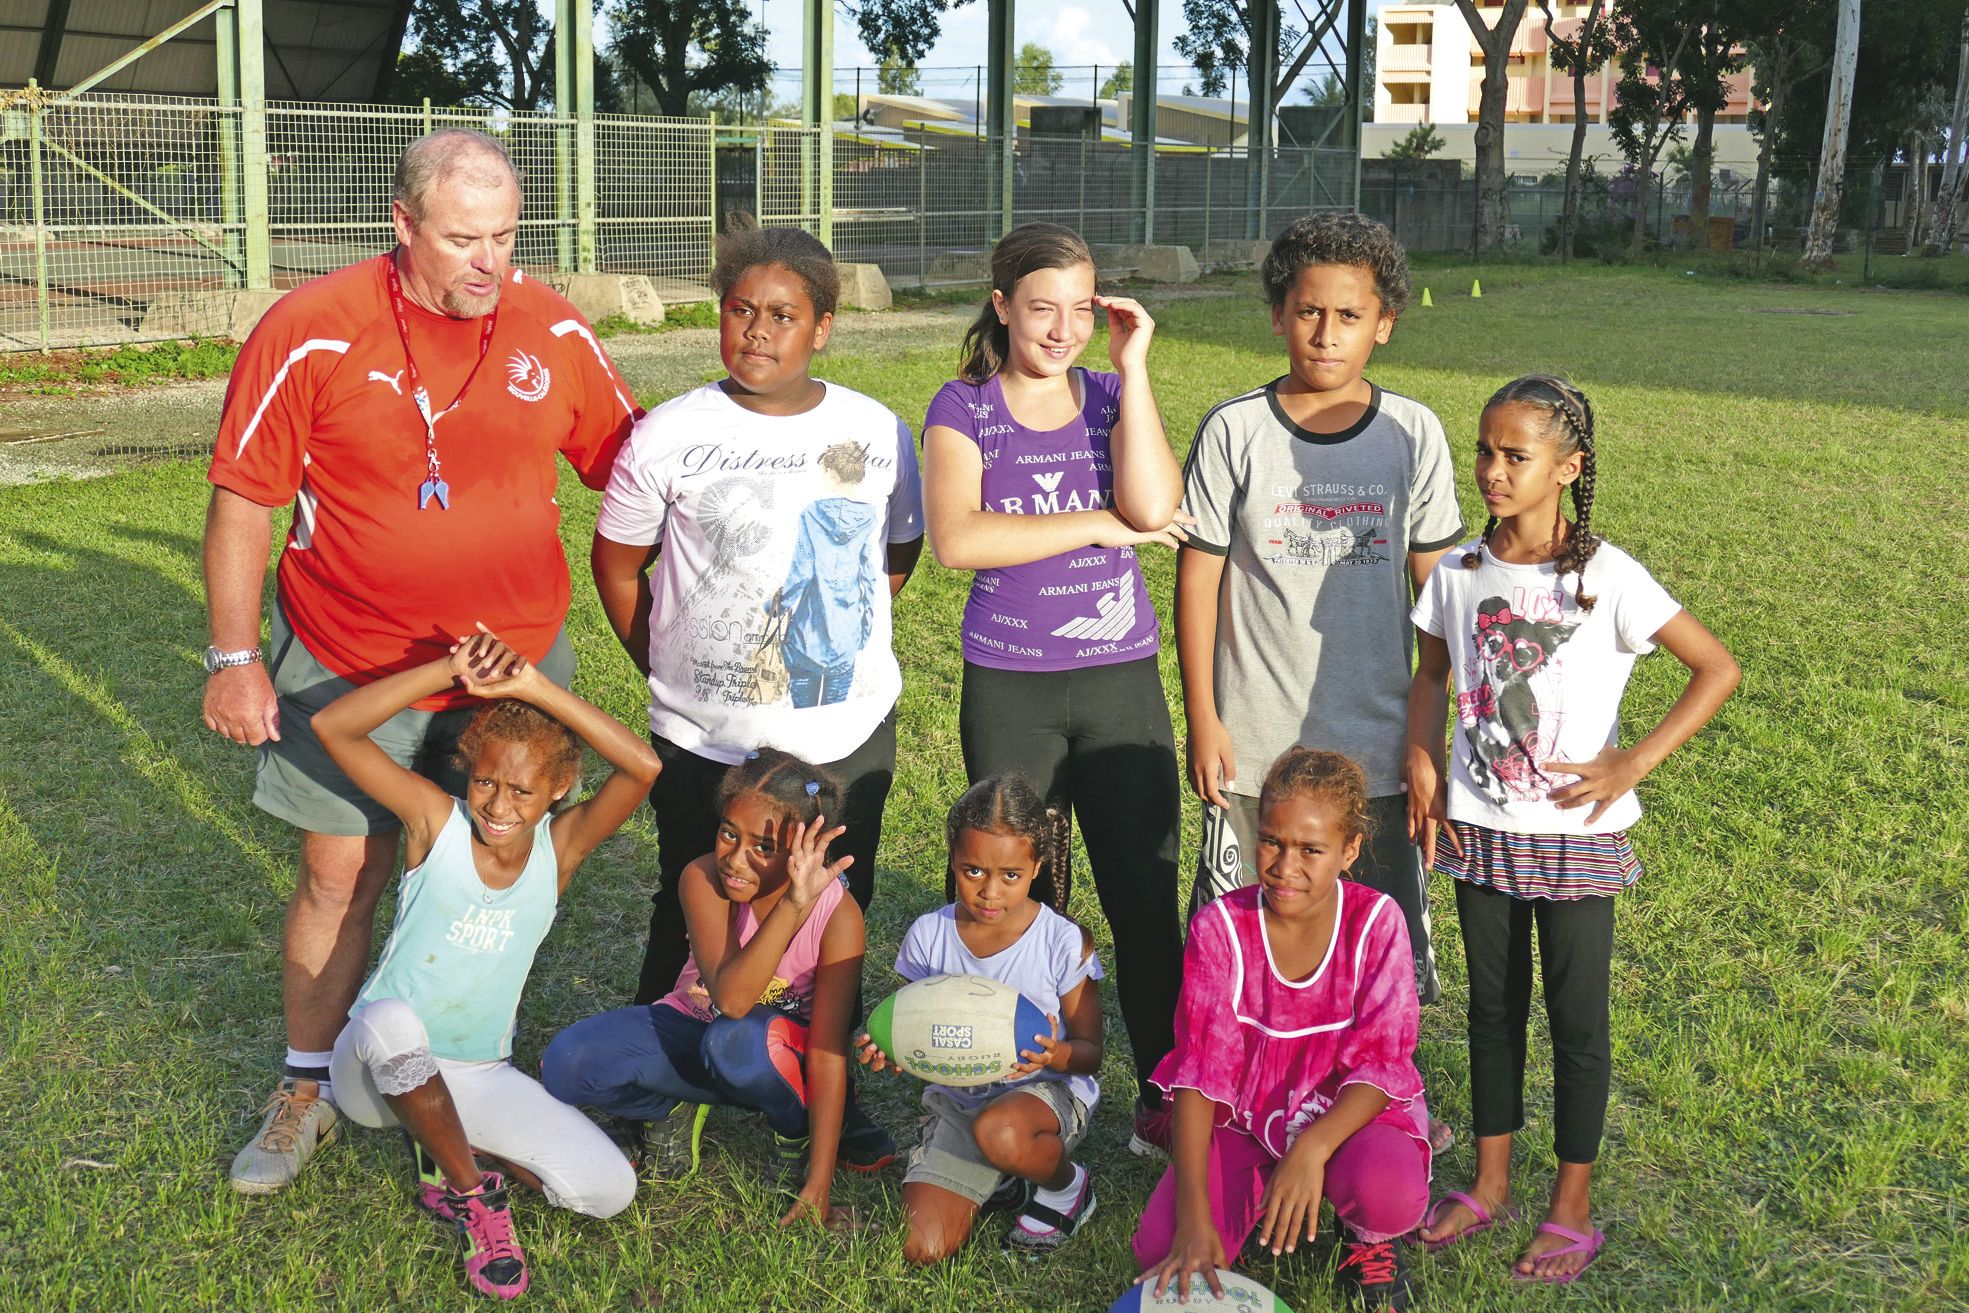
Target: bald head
pixel 447 157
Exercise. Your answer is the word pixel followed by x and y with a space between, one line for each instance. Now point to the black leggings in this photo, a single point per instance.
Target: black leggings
pixel 1575 953
pixel 685 800
pixel 1099 741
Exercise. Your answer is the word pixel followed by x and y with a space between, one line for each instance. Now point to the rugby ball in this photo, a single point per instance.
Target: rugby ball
pixel 956 1030
pixel 1241 1295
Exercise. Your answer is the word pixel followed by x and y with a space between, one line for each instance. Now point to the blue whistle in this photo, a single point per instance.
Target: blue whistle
pixel 434 488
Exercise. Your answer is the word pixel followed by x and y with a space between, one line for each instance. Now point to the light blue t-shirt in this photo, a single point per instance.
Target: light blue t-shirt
pixel 1044 964
pixel 460 952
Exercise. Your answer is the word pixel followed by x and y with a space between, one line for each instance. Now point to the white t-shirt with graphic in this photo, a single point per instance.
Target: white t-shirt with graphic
pixel 769 616
pixel 1538 679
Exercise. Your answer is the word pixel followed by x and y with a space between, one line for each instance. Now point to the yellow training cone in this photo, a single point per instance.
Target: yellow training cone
pixel 1426 298
pixel 1476 289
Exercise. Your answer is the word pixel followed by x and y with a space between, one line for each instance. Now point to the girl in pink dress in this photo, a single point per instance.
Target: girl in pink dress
pixel 1293 1073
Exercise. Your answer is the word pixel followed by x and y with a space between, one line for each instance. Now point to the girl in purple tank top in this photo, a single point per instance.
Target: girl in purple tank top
pixel 1045 479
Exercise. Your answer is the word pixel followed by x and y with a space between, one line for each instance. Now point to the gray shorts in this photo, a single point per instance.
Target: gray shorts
pixel 1388 863
pixel 297 781
pixel 947 1153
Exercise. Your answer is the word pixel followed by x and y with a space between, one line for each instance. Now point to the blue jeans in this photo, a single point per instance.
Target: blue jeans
pixel 642 1061
pixel 811 684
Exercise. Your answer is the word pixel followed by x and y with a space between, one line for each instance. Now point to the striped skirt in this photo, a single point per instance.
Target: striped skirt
pixel 1541 865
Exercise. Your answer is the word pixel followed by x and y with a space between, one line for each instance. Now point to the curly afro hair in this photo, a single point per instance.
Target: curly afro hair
pixel 1338 237
pixel 745 245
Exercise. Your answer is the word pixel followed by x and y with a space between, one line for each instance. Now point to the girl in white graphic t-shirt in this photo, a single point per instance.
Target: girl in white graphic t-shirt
pixel 753 535
pixel 1541 623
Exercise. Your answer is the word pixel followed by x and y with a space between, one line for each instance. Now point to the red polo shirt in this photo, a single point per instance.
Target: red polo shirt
pixel 319 413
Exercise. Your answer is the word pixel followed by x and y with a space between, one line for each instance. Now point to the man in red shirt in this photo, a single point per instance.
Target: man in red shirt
pixel 409 407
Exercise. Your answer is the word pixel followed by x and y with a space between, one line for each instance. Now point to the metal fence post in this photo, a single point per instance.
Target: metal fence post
pixel 922 215
pixel 1082 226
pixel 429 124
pixel 1209 194
pixel 38 188
pixel 711 159
pixel 253 142
pixel 226 21
pixel 583 16
pixel 564 152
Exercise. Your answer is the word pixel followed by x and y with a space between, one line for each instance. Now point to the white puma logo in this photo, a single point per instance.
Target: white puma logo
pixel 1050 482
pixel 394 380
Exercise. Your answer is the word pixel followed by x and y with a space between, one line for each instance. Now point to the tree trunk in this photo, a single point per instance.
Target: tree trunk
pixel 1643 183
pixel 1914 193
pixel 1495 42
pixel 1702 175
pixel 1948 201
pixel 1832 158
pixel 1569 218
pixel 1760 205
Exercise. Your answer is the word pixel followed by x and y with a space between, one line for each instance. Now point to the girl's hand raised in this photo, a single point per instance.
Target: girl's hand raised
pixel 487 668
pixel 1129 331
pixel 808 871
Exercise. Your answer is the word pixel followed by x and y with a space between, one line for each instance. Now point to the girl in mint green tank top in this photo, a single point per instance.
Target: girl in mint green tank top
pixel 427 1039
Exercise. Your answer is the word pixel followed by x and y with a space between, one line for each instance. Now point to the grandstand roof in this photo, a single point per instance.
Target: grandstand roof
pixel 316 49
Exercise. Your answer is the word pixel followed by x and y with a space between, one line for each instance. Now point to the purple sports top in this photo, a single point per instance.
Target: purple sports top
pixel 1082 608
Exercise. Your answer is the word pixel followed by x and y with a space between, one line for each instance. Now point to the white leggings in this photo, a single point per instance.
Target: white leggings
pixel 385 1048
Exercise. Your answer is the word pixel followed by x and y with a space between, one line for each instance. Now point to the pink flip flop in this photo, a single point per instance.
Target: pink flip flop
pixel 1581 1244
pixel 1483 1223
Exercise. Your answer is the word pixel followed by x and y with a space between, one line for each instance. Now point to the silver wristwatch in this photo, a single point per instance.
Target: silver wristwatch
pixel 215 660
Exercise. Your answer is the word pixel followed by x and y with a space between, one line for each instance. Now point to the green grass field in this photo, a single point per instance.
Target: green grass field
pixel 1791 1016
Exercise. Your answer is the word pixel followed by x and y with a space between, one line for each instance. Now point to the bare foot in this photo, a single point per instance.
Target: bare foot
pixel 1539 1262
pixel 1453 1218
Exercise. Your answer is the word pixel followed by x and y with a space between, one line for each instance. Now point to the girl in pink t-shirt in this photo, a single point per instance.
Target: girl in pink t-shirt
pixel 1293 1074
pixel 760 1013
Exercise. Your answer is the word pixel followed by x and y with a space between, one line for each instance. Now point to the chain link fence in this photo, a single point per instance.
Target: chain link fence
pixel 118 214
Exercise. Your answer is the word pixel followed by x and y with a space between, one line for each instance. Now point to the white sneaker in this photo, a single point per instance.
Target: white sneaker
pixel 298 1121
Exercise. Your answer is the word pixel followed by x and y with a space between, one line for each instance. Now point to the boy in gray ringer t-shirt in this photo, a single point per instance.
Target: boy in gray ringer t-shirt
pixel 1321 502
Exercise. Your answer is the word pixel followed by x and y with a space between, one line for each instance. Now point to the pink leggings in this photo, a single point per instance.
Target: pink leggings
pixel 1378 1183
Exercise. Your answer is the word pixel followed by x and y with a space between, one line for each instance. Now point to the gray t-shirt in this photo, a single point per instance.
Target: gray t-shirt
pixel 1314 643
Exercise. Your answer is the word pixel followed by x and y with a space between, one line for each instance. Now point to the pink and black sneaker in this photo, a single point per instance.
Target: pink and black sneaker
pixel 494 1262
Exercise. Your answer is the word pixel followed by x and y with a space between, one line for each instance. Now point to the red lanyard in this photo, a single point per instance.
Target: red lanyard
pixel 434 484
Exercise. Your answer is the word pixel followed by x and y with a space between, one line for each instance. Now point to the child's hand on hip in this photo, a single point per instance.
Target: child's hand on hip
pixel 1610 776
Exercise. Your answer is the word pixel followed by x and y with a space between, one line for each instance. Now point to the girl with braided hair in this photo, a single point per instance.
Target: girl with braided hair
pixel 1008 1144
pixel 1537 797
pixel 761 1012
